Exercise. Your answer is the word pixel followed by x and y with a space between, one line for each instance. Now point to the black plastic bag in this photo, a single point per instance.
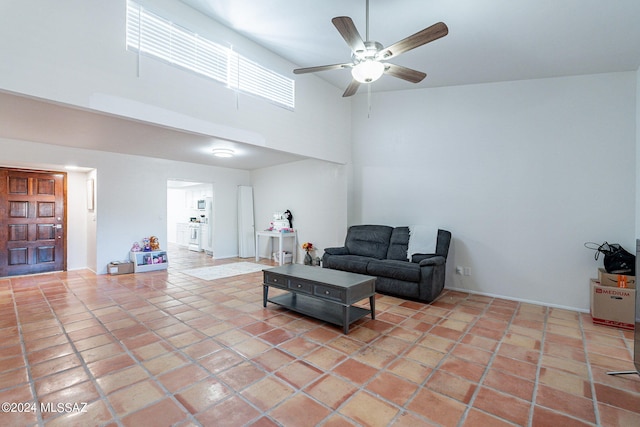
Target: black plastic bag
pixel 616 259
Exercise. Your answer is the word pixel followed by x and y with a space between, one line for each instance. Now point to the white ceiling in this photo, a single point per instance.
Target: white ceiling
pixel 73 127
pixel 488 41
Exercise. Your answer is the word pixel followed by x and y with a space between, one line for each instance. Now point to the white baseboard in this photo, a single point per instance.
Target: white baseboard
pixel 486 294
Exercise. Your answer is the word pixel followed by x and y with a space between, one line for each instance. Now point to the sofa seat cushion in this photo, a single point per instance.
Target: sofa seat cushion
pixel 398 288
pixel 400 270
pixel 352 263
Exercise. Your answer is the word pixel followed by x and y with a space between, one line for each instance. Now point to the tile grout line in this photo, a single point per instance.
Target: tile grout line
pixel 299 390
pixel 139 363
pixel 83 363
pixel 210 374
pixel 175 291
pixel 108 332
pixel 153 377
pixel 422 385
pixel 176 349
pixel 233 391
pixel 594 398
pixel 164 340
pixel 402 409
pixel 494 354
pixel 358 388
pixel 363 387
pixel 23 347
pixel 534 394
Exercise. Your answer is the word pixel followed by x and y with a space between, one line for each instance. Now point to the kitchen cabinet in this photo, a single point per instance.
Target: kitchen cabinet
pixel 182 237
pixel 205 238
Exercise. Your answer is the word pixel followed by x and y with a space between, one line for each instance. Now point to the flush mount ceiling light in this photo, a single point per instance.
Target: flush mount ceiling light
pixel 222 152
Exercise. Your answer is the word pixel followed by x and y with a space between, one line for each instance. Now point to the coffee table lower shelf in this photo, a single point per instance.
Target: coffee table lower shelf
pixel 321 309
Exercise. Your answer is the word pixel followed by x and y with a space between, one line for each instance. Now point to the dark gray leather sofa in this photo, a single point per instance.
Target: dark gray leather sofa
pixel 381 251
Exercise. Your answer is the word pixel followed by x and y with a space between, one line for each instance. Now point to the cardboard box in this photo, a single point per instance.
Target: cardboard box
pixel 612 306
pixel 120 268
pixel 608 279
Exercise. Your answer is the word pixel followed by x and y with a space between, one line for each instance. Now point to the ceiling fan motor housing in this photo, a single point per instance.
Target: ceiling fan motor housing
pixel 370 53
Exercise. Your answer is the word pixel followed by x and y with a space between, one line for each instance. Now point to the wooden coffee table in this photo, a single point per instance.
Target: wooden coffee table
pixel 321 293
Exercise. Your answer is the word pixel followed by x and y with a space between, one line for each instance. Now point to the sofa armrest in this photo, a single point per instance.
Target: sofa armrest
pixel 336 251
pixel 419 257
pixel 431 260
pixel 432 274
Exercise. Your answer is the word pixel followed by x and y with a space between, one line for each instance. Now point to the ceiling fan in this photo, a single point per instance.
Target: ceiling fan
pixel 368 57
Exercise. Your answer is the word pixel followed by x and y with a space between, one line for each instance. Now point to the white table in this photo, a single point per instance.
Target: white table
pixel 280 236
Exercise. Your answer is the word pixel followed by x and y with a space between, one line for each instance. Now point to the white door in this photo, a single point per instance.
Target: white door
pixel 246 230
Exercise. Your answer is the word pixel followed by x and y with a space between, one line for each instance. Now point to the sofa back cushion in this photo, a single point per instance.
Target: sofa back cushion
pixel 398 244
pixel 368 240
pixel 444 240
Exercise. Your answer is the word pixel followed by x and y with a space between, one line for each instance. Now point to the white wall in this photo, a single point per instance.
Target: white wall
pixel 316 194
pixel 522 173
pixel 74 52
pixel 131 199
pixel 78 220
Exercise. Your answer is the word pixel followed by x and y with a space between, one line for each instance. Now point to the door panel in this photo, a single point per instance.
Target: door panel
pixel 33 232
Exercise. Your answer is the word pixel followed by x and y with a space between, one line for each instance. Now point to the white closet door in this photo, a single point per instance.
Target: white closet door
pixel 246 230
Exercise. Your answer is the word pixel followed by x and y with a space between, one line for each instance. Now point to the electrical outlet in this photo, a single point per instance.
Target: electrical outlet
pixel 466 271
pixel 459 270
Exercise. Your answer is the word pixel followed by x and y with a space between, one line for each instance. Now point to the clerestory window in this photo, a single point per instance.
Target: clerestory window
pixel 151 35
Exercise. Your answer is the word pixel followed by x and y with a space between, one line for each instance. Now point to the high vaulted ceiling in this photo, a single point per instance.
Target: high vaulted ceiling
pixel 488 40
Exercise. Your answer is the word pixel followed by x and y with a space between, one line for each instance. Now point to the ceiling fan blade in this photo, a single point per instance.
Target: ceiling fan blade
pixel 352 88
pixel 404 73
pixel 349 33
pixel 321 68
pixel 425 36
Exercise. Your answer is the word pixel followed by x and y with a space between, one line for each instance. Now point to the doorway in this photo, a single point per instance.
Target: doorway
pixel 190 215
pixel 33 237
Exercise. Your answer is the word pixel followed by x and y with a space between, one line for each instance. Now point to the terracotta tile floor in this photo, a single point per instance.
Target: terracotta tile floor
pixel 165 348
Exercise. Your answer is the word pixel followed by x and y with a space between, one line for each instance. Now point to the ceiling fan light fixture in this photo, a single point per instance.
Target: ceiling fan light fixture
pixel 368 71
pixel 223 152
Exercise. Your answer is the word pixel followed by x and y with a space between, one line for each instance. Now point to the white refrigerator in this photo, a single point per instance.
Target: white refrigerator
pixel 206 227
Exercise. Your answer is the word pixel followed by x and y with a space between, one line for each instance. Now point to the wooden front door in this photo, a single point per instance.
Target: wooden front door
pixel 33 231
